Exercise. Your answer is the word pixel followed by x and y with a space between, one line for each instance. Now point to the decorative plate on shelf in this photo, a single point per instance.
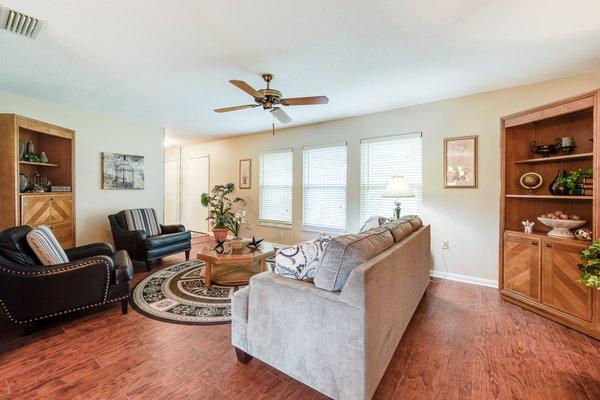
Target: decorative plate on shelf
pixel 531 180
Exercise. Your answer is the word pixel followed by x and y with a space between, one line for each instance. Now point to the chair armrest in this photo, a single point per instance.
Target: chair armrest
pixel 172 228
pixel 90 250
pixel 29 293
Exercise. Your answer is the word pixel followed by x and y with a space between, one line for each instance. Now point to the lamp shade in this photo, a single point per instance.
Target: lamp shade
pixel 398 188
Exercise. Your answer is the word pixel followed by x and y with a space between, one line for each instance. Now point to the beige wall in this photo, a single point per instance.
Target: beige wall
pixel 468 219
pixel 98 133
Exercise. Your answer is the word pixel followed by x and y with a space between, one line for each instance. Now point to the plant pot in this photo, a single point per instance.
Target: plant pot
pixel 239 243
pixel 220 233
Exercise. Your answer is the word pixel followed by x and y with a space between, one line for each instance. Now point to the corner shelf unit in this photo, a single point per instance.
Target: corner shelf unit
pixel 56 209
pixel 536 271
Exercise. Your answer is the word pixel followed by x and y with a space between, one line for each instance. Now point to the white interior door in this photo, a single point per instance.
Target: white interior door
pixel 197 183
pixel 171 192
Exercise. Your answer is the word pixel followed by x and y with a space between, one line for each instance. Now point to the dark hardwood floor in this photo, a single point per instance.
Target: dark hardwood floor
pixel 463 343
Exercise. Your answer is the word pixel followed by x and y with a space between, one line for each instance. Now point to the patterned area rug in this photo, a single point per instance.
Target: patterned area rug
pixel 177 294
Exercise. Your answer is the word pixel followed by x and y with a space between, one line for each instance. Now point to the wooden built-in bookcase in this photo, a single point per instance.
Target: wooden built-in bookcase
pixel 539 272
pixel 56 210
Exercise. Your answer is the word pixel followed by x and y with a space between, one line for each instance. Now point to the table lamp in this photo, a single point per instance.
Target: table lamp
pixel 397 189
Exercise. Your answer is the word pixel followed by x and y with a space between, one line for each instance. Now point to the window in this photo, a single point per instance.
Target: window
pixel 275 196
pixel 382 158
pixel 324 194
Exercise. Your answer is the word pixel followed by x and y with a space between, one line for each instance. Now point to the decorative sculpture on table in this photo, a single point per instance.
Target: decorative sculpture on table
pixel 254 244
pixel 220 247
pixel 528 226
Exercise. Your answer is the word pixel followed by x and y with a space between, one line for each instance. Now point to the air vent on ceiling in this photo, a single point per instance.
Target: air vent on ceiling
pixel 19 23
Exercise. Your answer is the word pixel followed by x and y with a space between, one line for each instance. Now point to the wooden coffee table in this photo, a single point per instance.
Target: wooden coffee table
pixel 235 267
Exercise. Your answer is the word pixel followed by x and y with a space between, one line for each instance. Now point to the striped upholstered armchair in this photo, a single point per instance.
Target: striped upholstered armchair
pixel 143 236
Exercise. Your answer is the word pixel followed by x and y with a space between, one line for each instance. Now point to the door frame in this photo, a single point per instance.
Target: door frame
pixel 179 187
pixel 187 186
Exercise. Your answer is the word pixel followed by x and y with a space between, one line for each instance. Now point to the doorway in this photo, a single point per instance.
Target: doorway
pixel 197 183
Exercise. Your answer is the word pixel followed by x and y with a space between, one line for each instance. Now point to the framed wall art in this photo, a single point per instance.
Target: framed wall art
pixel 245 173
pixel 460 162
pixel 122 172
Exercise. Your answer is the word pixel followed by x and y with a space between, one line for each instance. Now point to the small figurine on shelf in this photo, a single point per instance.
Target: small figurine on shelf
pixel 528 226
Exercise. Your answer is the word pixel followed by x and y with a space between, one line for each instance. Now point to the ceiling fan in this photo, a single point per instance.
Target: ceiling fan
pixel 270 99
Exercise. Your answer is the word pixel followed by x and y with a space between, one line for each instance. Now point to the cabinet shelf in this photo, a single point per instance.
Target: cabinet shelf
pixel 38 164
pixel 547 196
pixel 570 157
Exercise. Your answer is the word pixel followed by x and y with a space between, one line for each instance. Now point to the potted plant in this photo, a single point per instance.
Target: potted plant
pixel 220 208
pixel 573 179
pixel 590 271
pixel 234 223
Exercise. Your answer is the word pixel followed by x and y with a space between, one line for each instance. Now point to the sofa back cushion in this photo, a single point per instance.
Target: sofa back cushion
pixel 399 228
pixel 142 219
pixel 45 246
pixel 14 246
pixel 344 253
pixel 373 222
pixel 415 221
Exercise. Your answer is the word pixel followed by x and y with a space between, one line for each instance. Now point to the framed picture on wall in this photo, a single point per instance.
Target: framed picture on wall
pixel 245 173
pixel 460 162
pixel 122 172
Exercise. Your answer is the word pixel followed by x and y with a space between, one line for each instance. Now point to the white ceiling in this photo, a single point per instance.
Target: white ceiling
pixel 169 61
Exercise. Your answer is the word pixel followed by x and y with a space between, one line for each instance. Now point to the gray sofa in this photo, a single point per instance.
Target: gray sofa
pixel 339 342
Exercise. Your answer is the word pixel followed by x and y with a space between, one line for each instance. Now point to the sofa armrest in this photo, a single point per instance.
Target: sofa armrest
pixel 90 250
pixel 165 229
pixel 308 288
pixel 30 293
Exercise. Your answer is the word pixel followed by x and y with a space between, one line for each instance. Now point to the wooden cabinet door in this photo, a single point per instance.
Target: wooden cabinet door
pixel 522 265
pixel 64 233
pixel 40 209
pixel 61 207
pixel 559 279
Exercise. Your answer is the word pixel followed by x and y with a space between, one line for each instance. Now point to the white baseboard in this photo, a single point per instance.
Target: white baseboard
pixel 464 278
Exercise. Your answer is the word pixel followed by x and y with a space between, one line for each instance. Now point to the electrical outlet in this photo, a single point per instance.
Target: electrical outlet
pixel 445 245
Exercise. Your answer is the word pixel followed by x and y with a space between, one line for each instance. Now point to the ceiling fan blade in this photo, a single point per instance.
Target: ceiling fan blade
pixel 247 88
pixel 300 101
pixel 235 108
pixel 281 115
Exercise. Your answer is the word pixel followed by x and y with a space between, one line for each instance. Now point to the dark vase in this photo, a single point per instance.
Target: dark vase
pixel 556 188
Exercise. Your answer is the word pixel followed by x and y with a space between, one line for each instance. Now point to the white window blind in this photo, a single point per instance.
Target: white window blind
pixel 276 180
pixel 324 187
pixel 382 158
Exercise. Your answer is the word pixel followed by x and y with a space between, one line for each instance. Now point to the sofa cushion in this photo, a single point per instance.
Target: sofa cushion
pixel 14 246
pixel 301 260
pixel 45 246
pixel 373 222
pixel 399 228
pixel 344 253
pixel 156 242
pixel 414 220
pixel 142 219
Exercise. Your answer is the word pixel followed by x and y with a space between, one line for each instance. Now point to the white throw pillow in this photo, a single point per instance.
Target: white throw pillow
pixel 45 246
pixel 301 260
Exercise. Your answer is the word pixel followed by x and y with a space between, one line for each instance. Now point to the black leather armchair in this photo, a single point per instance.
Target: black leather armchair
pixel 144 248
pixel 29 292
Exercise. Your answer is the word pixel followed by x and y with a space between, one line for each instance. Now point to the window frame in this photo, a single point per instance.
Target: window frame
pixel 268 222
pixel 383 138
pixel 325 229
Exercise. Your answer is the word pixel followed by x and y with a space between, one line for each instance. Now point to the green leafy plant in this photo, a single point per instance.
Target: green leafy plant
pixel 32 158
pixel 590 271
pixel 571 179
pixel 220 206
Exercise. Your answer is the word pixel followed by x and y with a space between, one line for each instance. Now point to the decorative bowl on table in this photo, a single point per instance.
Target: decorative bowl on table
pixel 561 227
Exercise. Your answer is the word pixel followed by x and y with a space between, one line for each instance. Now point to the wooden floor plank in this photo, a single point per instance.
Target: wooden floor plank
pixel 463 342
pixel 560 376
pixel 583 356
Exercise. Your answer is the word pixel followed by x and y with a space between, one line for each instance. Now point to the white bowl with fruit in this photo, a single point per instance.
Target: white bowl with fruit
pixel 561 224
